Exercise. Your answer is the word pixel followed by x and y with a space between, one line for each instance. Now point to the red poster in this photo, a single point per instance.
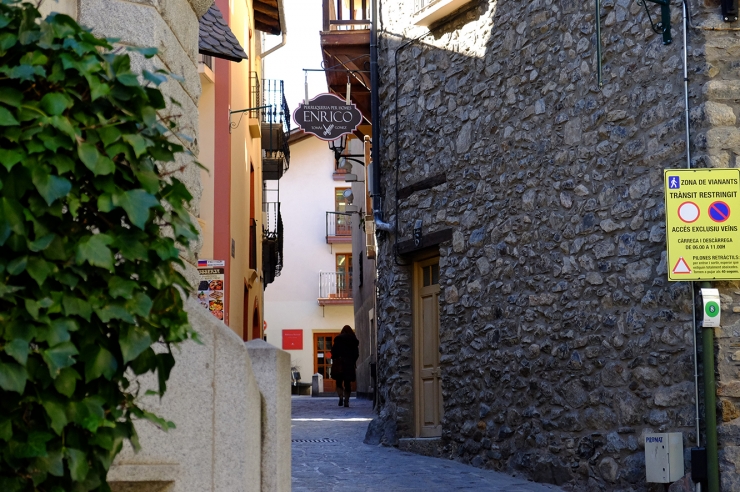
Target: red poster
pixel 292 339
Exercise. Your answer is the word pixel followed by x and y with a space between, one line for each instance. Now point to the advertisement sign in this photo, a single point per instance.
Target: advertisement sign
pixel 702 209
pixel 292 339
pixel 328 117
pixel 211 286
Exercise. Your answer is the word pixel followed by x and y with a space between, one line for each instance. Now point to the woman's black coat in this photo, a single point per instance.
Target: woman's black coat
pixel 345 350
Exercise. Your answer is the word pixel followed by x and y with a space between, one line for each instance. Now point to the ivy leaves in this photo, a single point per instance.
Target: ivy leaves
pixel 89 283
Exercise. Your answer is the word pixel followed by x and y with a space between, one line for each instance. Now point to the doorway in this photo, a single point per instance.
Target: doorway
pixel 322 343
pixel 256 325
pixel 427 373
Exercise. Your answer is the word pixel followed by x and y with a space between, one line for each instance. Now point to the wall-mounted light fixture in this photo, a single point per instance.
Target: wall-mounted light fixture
pixel 729 10
pixel 338 146
pixel 664 26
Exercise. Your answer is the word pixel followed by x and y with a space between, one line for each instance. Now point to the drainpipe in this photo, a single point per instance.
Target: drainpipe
pixel 380 224
pixel 283 30
pixel 710 388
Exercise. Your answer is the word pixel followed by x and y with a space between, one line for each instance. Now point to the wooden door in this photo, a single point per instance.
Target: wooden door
pixel 322 343
pixel 427 374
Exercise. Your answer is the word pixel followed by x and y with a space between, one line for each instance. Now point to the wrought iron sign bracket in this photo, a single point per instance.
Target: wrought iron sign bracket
pixel 664 26
pixel 235 125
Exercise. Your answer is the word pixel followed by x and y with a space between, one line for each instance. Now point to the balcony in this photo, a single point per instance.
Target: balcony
pixel 335 288
pixel 272 241
pixel 338 228
pixel 345 45
pixel 275 130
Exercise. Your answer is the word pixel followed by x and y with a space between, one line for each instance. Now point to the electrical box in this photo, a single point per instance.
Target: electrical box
pixel 664 457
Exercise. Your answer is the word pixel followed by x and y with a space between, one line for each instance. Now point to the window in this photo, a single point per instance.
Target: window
pixel 344 275
pixel 343 223
pixel 340 203
pixel 427 12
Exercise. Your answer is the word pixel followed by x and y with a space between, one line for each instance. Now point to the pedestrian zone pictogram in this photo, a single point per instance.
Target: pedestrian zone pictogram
pixel 702 233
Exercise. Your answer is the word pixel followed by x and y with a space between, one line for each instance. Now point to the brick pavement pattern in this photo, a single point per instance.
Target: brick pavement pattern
pixel 342 462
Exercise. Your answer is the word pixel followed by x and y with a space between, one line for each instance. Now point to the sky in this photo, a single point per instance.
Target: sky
pixel 304 22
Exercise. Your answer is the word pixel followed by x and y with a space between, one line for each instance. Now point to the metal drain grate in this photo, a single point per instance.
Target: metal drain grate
pixel 314 440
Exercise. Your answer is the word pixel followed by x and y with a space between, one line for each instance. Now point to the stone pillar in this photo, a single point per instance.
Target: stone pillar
pixel 237 426
pixel 271 367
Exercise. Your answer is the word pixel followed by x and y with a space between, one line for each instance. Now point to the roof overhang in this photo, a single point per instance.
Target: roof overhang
pixel 346 55
pixel 267 16
pixel 216 38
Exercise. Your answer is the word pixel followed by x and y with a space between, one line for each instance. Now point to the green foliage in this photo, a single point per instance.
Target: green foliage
pixel 88 278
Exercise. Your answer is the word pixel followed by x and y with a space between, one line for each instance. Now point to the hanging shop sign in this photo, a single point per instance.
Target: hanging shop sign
pixel 328 117
pixel 211 286
pixel 702 209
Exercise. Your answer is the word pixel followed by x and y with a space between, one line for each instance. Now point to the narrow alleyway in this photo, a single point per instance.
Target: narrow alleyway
pixel 329 455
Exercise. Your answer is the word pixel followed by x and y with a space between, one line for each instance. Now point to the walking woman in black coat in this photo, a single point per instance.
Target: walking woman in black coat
pixel 344 353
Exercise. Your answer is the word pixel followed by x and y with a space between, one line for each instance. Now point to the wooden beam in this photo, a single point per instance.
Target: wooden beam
pixel 266 28
pixel 265 19
pixel 427 241
pixel 267 10
pixel 355 37
pixel 424 184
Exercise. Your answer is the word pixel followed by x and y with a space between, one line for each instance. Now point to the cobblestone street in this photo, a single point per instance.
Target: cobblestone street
pixel 329 455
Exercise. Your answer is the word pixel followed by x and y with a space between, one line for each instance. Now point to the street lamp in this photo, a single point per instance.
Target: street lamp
pixel 338 146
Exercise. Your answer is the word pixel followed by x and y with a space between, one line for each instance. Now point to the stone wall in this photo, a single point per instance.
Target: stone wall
pixel 230 402
pixel 562 342
pixel 171 26
pixel 214 399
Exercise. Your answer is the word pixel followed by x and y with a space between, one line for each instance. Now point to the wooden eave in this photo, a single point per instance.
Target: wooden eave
pixel 267 16
pixel 349 50
pixel 340 301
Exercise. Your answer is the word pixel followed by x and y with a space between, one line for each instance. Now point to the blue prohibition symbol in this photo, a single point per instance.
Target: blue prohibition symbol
pixel 674 182
pixel 719 211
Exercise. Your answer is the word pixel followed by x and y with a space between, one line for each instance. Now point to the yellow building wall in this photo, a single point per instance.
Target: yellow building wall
pixel 206 149
pixel 245 155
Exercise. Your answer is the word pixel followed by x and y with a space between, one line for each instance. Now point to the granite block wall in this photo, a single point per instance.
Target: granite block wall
pixel 561 340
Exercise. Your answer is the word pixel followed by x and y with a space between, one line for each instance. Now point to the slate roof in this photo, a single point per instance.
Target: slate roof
pixel 216 38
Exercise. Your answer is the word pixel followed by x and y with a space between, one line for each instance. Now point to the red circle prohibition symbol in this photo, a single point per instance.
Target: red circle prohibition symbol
pixel 719 211
pixel 688 212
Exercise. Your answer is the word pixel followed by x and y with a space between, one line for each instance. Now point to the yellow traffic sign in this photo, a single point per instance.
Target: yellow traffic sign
pixel 702 211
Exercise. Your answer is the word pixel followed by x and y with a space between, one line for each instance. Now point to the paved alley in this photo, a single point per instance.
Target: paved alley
pixel 329 455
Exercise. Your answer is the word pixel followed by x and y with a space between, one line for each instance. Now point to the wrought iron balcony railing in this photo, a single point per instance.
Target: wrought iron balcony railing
pixel 338 227
pixel 272 241
pixel 275 130
pixel 335 286
pixel 255 97
pixel 343 15
pixel 207 60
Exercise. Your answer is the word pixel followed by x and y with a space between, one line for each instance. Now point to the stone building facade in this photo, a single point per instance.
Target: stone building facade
pixel 561 341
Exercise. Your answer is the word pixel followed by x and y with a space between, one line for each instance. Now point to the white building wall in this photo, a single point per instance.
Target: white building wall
pixel 291 302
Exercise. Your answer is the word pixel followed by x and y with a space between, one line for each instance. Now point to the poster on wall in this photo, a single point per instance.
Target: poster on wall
pixel 211 286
